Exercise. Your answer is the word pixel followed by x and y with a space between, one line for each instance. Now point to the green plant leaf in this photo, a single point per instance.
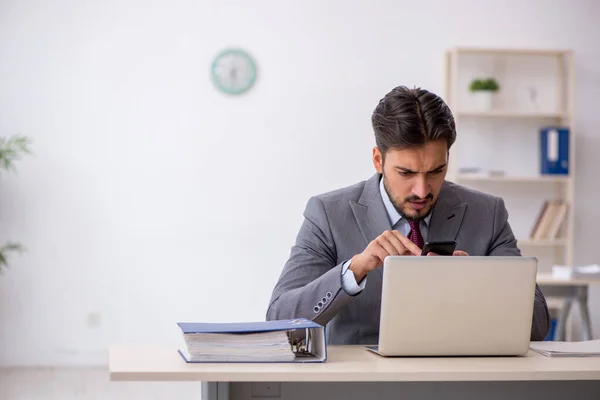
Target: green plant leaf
pixel 11 150
pixel 488 84
pixel 5 249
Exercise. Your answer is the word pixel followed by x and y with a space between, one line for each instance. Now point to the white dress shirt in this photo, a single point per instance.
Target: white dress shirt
pixel 398 223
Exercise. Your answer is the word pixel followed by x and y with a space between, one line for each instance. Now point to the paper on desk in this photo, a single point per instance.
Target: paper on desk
pixel 565 272
pixel 588 348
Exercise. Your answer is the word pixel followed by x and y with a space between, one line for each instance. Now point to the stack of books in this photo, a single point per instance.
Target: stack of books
pixel 549 220
pixel 298 340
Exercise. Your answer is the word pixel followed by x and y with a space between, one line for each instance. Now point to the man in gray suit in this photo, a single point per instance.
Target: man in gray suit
pixel 333 275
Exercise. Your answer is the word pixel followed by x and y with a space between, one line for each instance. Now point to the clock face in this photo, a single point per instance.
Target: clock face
pixel 233 71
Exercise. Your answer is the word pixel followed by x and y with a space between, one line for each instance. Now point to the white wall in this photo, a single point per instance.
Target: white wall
pixel 152 198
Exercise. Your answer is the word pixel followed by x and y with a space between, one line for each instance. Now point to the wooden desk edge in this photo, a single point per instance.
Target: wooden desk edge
pixel 140 369
pixel 459 376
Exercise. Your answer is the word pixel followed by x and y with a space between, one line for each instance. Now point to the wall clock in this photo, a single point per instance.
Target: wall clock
pixel 233 71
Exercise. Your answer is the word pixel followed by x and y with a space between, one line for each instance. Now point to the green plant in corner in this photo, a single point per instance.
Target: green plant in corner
pixel 5 249
pixel 11 150
pixel 484 85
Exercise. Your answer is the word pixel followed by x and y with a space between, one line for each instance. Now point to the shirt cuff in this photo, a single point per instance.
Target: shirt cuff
pixel 349 284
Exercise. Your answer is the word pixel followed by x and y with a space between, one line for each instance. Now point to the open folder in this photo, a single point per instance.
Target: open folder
pixel 588 348
pixel 293 340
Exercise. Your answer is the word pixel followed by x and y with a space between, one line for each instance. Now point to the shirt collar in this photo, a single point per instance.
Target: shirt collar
pixel 393 214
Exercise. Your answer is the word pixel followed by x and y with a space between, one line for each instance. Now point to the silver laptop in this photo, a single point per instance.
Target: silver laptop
pixel 456 306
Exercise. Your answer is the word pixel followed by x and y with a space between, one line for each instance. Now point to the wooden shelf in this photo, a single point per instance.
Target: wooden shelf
pixel 536 91
pixel 510 114
pixel 515 179
pixel 542 243
pixel 515 52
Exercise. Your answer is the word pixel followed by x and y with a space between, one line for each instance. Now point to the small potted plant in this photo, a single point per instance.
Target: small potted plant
pixel 483 91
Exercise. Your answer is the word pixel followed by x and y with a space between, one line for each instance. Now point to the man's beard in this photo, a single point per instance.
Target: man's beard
pixel 398 206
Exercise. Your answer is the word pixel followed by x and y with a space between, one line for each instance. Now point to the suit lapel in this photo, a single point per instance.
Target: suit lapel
pixel 369 211
pixel 447 216
pixel 373 219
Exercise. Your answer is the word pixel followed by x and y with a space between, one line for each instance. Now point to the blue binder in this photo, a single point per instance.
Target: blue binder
pixel 306 338
pixel 552 332
pixel 554 150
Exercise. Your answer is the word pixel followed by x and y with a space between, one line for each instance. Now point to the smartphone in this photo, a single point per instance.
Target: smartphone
pixel 441 248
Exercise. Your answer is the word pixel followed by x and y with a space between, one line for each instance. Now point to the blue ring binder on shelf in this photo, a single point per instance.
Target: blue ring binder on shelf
pixel 554 150
pixel 283 341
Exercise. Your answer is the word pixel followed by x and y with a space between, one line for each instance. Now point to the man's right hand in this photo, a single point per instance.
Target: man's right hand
pixel 389 243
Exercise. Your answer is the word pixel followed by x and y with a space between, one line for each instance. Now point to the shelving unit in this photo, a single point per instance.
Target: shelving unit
pixel 508 114
pixel 515 179
pixel 536 90
pixel 542 243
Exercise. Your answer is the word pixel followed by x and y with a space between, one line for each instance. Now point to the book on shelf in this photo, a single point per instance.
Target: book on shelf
pixel 550 219
pixel 292 340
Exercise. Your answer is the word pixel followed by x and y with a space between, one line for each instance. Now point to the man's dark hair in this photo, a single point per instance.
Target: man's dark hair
pixel 411 117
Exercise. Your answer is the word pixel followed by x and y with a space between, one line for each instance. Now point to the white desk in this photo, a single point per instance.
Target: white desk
pixel 573 291
pixel 353 372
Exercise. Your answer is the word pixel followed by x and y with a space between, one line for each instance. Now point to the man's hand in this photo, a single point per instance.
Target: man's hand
pixel 389 243
pixel 456 253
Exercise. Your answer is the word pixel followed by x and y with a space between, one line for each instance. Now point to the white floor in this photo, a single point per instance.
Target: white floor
pixel 84 384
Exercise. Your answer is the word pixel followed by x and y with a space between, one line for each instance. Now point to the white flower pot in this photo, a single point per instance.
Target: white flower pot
pixel 483 100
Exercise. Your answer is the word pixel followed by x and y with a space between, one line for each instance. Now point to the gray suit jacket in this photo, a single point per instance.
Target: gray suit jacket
pixel 340 224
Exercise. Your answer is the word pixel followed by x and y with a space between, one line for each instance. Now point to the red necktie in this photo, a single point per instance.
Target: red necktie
pixel 415 234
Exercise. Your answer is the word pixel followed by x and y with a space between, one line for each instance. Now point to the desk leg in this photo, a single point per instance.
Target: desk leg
pixel 582 299
pixel 215 391
pixel 561 325
pixel 570 294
